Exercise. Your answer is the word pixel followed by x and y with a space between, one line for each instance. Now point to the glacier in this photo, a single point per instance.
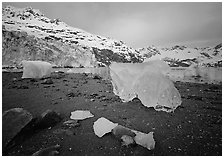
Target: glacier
pixel 146 81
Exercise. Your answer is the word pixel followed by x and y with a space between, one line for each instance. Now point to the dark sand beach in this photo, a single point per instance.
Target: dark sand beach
pixel 195 127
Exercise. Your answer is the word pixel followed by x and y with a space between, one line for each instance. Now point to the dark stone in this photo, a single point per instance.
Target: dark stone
pixel 58 75
pixel 96 77
pixel 47 81
pixel 22 87
pixel 47 119
pixel 50 151
pixel 94 95
pixel 71 123
pixel 13 121
pixel 195 97
pixel 71 94
pixel 119 131
pixel 33 80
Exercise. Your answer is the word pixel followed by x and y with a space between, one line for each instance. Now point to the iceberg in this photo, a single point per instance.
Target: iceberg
pixel 148 82
pixel 36 69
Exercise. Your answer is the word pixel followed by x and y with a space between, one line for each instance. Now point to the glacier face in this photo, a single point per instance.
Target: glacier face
pixel 29 35
pixel 146 81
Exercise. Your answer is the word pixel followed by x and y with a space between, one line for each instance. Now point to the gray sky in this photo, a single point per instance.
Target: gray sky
pixel 141 24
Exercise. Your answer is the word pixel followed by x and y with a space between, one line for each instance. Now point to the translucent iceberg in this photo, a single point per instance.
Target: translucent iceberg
pixel 36 69
pixel 148 82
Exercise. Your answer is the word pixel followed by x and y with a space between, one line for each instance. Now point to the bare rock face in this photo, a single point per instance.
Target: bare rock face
pixel 13 121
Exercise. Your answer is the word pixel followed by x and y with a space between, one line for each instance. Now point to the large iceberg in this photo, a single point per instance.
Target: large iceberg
pixel 36 69
pixel 148 82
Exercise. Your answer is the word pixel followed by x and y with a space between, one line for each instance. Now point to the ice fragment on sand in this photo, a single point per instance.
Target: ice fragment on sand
pixel 147 81
pixel 103 126
pixel 145 140
pixel 36 69
pixel 80 115
pixel 128 136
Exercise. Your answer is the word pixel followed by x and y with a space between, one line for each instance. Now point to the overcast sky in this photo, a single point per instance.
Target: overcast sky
pixel 141 24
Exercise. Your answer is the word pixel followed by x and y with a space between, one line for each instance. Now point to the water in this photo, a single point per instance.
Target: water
pixel 183 74
pixel 101 71
pixel 196 75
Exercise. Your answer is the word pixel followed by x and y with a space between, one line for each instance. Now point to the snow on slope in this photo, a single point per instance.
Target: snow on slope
pixel 75 46
pixel 34 23
pixel 208 56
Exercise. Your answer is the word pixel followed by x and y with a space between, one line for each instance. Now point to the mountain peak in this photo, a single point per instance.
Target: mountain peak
pixel 49 31
pixel 32 23
pixel 22 13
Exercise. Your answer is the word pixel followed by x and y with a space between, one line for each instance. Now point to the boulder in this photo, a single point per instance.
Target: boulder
pixel 50 151
pixel 47 119
pixel 120 131
pixel 47 81
pixel 13 121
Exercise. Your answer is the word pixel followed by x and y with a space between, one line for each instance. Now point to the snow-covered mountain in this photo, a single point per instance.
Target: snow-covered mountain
pixel 185 56
pixel 29 35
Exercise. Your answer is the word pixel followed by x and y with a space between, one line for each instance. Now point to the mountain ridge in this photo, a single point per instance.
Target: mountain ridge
pixel 29 35
pixel 182 55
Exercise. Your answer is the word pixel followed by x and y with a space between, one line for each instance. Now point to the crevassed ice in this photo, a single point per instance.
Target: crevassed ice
pixel 148 82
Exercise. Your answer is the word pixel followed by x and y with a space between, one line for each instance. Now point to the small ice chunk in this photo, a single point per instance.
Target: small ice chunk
pixel 80 115
pixel 145 140
pixel 103 126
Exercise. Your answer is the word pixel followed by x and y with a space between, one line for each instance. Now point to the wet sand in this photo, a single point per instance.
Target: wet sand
pixel 195 127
